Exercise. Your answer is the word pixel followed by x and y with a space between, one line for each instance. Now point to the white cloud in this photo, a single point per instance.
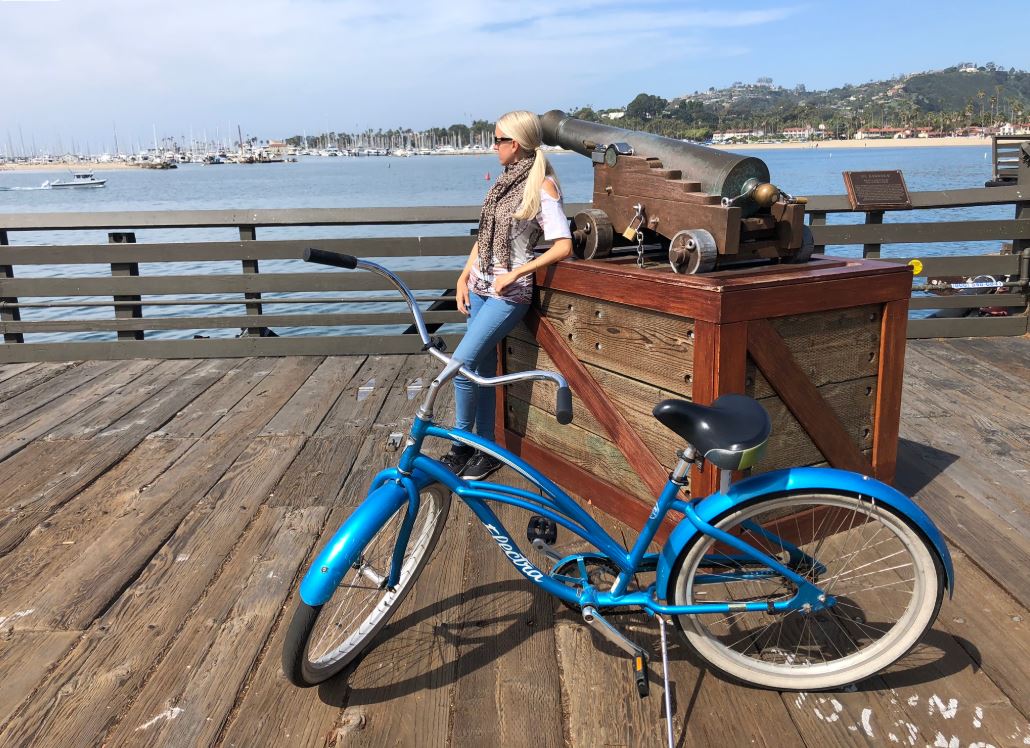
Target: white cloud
pixel 280 65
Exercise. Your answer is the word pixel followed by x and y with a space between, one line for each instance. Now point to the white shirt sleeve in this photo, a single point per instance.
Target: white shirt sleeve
pixel 552 218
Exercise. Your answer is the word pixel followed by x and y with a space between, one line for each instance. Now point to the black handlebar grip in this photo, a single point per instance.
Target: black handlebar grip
pixel 563 413
pixel 311 254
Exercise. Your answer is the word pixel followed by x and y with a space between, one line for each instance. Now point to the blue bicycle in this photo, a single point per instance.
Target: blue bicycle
pixel 800 579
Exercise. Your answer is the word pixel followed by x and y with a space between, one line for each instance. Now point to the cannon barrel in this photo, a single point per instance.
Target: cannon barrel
pixel 720 173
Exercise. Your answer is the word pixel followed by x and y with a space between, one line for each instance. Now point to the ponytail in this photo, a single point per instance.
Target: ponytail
pixel 524 127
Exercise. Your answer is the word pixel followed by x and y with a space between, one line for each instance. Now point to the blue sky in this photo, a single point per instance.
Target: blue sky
pixel 79 69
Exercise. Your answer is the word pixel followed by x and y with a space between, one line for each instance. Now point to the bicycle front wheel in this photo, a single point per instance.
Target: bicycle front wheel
pixel 884 577
pixel 323 640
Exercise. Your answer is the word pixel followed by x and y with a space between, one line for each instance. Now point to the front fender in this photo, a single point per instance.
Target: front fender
pixel 793 480
pixel 339 553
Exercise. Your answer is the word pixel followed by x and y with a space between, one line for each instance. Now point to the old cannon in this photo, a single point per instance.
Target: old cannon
pixel 707 208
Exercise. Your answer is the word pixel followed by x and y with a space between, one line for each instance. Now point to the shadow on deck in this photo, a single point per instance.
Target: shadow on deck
pixel 156 516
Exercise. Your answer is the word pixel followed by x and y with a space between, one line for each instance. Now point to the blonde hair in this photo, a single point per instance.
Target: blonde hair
pixel 524 127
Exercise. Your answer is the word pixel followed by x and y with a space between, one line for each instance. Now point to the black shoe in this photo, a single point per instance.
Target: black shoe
pixel 459 456
pixel 481 466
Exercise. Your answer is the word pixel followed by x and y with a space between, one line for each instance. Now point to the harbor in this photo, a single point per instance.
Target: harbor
pixel 172 488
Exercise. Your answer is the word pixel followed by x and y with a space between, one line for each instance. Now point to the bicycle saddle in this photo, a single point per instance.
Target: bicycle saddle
pixel 731 433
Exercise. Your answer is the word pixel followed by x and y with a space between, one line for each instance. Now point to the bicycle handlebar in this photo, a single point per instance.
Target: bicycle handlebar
pixel 312 254
pixel 563 406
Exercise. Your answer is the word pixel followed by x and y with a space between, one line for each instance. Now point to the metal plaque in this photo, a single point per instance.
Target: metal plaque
pixel 877 190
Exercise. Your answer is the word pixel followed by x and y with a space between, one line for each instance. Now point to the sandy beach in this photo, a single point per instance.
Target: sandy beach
pixel 79 166
pixel 874 143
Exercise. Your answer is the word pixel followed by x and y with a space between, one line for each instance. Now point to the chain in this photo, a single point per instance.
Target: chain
pixel 640 249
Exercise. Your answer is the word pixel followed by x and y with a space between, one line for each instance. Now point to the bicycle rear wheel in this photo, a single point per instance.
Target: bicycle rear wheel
pixel 323 640
pixel 886 579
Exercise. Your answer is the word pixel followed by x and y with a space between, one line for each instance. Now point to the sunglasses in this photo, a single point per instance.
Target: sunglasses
pixel 498 141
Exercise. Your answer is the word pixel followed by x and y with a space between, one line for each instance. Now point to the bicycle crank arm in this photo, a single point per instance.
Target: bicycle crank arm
pixel 612 634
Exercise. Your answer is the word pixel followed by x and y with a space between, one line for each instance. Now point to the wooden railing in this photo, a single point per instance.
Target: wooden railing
pixel 251 288
pixel 1011 270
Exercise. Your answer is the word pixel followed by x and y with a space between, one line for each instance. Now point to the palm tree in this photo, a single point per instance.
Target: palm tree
pixel 980 95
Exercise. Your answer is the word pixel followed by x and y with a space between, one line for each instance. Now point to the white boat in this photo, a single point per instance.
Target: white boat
pixel 79 179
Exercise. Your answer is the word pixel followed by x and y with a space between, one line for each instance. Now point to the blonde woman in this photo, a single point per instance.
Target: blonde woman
pixel 523 208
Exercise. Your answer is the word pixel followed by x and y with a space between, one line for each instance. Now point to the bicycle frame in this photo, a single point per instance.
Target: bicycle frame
pixel 416 470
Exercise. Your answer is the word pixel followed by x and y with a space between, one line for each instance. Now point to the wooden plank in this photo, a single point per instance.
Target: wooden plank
pixel 930 475
pixel 615 715
pixel 46 475
pixel 51 549
pixel 1009 356
pixel 920 233
pixel 77 703
pixel 305 410
pixel 321 345
pixel 46 391
pixel 198 679
pixel 266 249
pixel 640 459
pixel 246 217
pixel 791 446
pixel 973 392
pixel 956 198
pixel 654 348
pixel 77 594
pixel 611 499
pixel 634 399
pixel 803 399
pixel 270 712
pixel 505 638
pixel 218 284
pixel 228 321
pixel 591 453
pixel 146 404
pixel 31 378
pixel 720 356
pixel 414 667
pixel 25 658
pixel 966 327
pixel 890 376
pixel 102 392
pixel 12 370
pixel 831 346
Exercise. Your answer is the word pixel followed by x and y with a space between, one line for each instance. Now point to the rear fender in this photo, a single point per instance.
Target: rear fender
pixel 780 482
pixel 339 553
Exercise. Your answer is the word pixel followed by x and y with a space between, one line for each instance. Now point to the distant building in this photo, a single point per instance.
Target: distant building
pixel 874 133
pixel 276 148
pixel 732 136
pixel 613 115
pixel 968 67
pixel 799 133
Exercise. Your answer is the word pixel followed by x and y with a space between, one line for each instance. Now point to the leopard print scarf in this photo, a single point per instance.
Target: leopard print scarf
pixel 499 208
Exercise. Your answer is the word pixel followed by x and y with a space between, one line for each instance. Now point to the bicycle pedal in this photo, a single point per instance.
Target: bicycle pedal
pixel 543 529
pixel 640 674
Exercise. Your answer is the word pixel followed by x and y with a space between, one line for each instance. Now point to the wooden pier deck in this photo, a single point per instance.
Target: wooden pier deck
pixel 155 516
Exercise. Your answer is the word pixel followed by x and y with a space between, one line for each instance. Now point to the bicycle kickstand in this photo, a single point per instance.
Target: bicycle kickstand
pixel 665 678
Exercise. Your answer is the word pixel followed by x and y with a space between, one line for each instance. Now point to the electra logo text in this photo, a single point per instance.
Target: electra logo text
pixel 520 561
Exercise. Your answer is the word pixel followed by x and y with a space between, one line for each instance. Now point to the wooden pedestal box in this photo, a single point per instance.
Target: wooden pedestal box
pixel 820 345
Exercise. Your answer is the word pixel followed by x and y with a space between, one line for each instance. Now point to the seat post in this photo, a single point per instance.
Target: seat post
pixel 725 478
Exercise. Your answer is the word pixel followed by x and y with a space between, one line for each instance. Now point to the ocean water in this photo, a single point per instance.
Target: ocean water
pixel 425 180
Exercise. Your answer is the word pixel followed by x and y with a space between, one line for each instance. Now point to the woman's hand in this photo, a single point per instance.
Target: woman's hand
pixel 462 294
pixel 501 282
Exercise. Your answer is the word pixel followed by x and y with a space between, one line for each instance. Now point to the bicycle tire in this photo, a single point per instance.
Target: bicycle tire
pixel 324 640
pixel 821 524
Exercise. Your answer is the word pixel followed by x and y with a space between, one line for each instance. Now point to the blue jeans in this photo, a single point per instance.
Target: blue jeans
pixel 490 319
